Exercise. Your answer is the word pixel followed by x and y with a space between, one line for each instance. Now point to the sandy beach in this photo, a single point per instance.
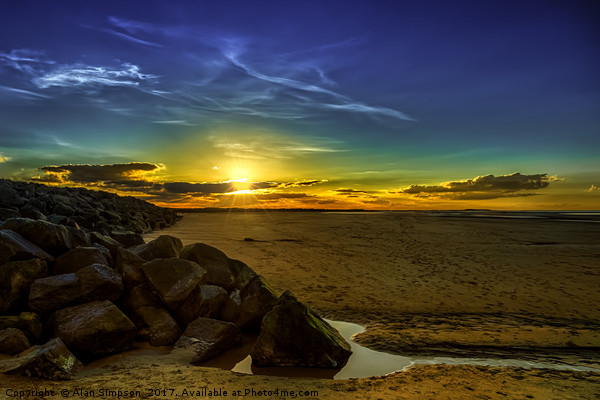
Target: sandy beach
pixel 422 285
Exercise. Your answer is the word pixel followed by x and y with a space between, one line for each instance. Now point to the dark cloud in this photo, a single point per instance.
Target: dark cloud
pixel 350 192
pixel 199 188
pixel 484 187
pixel 129 174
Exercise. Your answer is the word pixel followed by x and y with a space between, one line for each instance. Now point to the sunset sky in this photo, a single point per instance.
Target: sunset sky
pixel 310 104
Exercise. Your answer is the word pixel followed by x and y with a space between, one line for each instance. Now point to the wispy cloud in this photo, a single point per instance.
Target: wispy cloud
pixel 85 75
pixel 25 93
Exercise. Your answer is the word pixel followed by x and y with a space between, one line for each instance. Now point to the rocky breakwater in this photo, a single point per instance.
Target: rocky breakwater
pixel 90 210
pixel 68 296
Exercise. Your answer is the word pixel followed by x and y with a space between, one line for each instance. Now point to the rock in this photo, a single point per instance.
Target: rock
pixel 128 264
pixel 77 258
pixel 243 274
pixel 231 308
pixel 29 211
pixel 54 239
pixel 15 247
pixel 94 282
pixel 105 252
pixel 205 301
pixel 111 244
pixel 28 322
pixel 54 292
pixel 13 341
pixel 292 335
pixel 93 329
pixel 99 282
pixel 213 260
pixel 50 361
pixel 257 299
pixel 164 246
pixel 8 195
pixel 149 313
pixel 15 279
pixel 128 239
pixel 173 279
pixel 9 212
pixel 209 337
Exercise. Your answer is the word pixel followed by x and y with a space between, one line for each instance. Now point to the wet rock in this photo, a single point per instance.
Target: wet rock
pixel 77 258
pixel 164 246
pixel 54 239
pixel 214 261
pixel 148 313
pixel 173 279
pixel 29 323
pixel 15 279
pixel 107 255
pixel 128 264
pixel 49 361
pixel 8 195
pixel 128 239
pixel 13 341
pixel 243 273
pixel 209 337
pixel 111 244
pixel 94 282
pixel 205 301
pixel 257 299
pixel 292 335
pixel 9 212
pixel 15 247
pixel 93 329
pixel 231 308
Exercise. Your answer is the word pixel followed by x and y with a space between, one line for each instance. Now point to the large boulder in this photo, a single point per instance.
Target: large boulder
pixel 205 301
pixel 8 194
pixel 49 361
pixel 164 246
pixel 209 337
pixel 15 279
pixel 173 279
pixel 213 260
pixel 29 323
pixel 111 244
pixel 292 335
pixel 77 258
pixel 94 282
pixel 257 299
pixel 15 247
pixel 93 329
pixel 150 316
pixel 54 239
pixel 13 341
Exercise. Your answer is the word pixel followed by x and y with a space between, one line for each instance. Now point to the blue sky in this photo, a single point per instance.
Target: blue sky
pixel 306 104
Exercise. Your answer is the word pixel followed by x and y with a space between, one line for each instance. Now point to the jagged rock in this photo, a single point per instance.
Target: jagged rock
pixel 128 264
pixel 292 335
pixel 173 279
pixel 209 337
pixel 77 258
pixel 9 212
pixel 128 239
pixel 15 279
pixel 111 244
pixel 213 260
pixel 54 239
pixel 231 308
pixel 94 328
pixel 205 301
pixel 243 274
pixel 15 247
pixel 29 323
pixel 105 252
pixel 257 299
pixel 29 211
pixel 54 292
pixel 164 246
pixel 94 282
pixel 148 312
pixel 13 341
pixel 49 361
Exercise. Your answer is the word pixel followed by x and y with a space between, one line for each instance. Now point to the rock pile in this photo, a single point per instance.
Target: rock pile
pixel 81 208
pixel 68 293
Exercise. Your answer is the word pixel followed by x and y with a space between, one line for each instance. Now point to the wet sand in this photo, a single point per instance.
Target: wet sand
pixel 422 285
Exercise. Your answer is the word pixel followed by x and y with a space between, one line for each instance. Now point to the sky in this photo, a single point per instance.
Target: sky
pixel 390 105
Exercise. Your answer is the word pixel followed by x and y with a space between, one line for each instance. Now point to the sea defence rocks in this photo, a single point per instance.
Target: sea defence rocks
pixel 93 292
pixel 292 335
